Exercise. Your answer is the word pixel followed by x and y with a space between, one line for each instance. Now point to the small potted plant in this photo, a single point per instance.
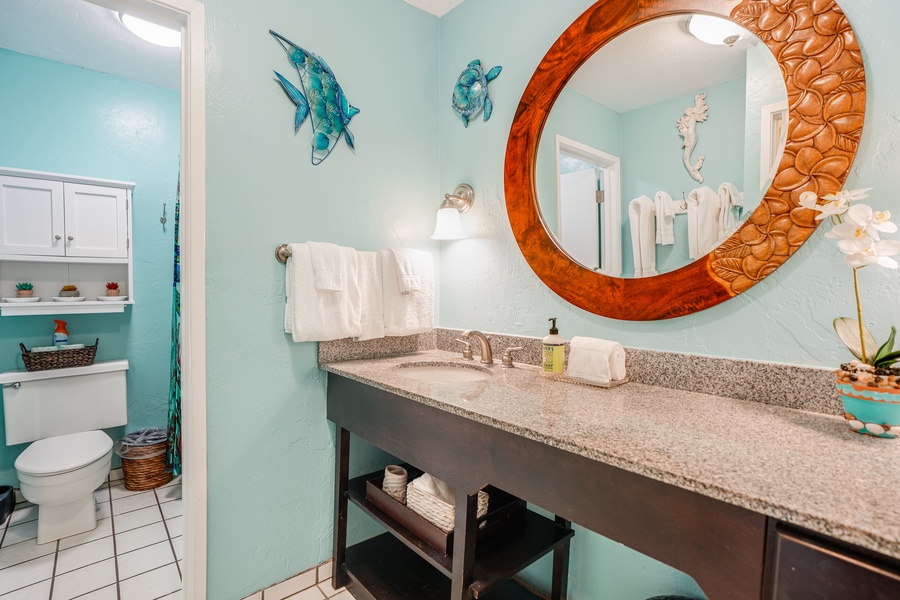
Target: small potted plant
pixel 69 291
pixel 24 290
pixel 869 385
pixel 112 288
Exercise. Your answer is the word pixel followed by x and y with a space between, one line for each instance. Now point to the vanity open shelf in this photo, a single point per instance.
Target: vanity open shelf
pixel 498 557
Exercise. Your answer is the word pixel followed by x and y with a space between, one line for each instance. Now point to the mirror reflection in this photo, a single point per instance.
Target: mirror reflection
pixel 660 146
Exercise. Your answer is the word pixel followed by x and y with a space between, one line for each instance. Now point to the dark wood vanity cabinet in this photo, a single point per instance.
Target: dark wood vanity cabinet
pixel 801 565
pixel 733 553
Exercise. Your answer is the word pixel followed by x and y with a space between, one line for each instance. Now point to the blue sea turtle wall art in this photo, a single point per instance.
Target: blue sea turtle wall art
pixel 320 97
pixel 470 93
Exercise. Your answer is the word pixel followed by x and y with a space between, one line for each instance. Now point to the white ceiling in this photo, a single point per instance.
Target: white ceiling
pixel 79 33
pixel 436 7
pixel 657 61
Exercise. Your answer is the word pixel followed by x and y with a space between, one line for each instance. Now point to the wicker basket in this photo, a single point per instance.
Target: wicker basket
pixel 143 463
pixel 60 359
pixel 436 511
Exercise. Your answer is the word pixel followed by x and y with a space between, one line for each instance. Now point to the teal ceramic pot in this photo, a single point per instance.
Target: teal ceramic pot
pixel 870 410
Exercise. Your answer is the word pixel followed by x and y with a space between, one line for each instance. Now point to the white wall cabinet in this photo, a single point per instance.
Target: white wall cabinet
pixel 62 229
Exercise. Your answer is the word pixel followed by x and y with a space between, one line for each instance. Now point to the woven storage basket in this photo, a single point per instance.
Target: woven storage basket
pixel 436 511
pixel 60 359
pixel 144 459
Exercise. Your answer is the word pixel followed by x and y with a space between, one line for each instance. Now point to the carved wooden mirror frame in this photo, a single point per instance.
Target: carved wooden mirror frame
pixel 820 59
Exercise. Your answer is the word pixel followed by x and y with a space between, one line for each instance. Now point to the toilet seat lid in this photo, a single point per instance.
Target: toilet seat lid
pixel 63 453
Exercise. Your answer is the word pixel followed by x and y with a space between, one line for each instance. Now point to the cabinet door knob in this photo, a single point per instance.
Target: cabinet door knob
pixel 70 238
pixel 58 237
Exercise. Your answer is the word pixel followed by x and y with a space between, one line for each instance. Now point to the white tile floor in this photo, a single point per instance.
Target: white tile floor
pixel 133 554
pixel 313 584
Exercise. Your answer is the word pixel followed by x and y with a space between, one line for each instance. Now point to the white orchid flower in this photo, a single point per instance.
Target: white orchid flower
pixel 834 206
pixel 862 215
pixel 847 196
pixel 877 253
pixel 809 200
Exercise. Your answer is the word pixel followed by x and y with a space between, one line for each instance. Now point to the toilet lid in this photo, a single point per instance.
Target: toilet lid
pixel 63 453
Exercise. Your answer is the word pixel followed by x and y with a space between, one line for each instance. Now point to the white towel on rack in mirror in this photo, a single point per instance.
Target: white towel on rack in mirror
pixel 643 236
pixel 328 265
pixel 665 219
pixel 728 199
pixel 314 316
pixel 411 313
pixel 703 221
pixel 372 296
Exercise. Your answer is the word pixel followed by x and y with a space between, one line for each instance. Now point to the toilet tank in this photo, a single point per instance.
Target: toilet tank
pixel 61 401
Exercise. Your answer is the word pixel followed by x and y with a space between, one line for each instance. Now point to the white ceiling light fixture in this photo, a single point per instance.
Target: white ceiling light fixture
pixel 151 32
pixel 714 30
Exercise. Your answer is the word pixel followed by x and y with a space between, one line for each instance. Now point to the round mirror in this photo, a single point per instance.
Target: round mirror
pixel 820 64
pixel 612 163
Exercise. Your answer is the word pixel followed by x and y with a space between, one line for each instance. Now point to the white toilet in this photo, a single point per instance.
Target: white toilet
pixel 62 411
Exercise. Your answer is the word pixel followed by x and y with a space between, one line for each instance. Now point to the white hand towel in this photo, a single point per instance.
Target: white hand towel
pixel 643 236
pixel 314 316
pixel 665 219
pixel 728 199
pixel 327 264
pixel 436 488
pixel 703 221
pixel 594 359
pixel 372 310
pixel 413 312
pixel 406 263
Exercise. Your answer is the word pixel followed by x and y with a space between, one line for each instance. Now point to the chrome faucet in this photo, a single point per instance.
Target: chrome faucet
pixel 484 343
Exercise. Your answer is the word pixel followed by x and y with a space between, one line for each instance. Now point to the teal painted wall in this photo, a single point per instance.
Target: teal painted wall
pixel 64 119
pixel 270 445
pixel 787 318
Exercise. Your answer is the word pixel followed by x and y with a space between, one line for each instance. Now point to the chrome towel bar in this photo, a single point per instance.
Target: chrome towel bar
pixel 282 253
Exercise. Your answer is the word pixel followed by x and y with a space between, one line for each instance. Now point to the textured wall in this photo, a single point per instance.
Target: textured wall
pixel 64 119
pixel 486 284
pixel 270 446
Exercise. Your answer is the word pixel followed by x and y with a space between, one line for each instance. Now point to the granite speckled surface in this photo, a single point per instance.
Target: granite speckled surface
pixel 791 386
pixel 802 467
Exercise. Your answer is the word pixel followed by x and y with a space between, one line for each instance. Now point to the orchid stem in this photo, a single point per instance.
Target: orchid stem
pixel 859 317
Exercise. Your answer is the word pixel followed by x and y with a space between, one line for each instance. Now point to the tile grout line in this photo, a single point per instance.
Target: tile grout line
pixel 112 523
pixel 168 535
pixel 53 573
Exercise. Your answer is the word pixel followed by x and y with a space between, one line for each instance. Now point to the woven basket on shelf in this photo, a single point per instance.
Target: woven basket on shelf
pixel 143 464
pixel 59 359
pixel 435 510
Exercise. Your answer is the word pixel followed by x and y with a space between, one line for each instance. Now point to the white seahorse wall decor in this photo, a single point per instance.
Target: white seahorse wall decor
pixel 687 128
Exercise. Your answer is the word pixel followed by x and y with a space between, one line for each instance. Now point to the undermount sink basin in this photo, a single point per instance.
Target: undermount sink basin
pixel 443 372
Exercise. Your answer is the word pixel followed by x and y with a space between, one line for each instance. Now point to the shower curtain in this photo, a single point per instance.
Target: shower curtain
pixel 173 447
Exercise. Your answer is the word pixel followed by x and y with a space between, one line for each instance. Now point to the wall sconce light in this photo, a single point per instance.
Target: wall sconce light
pixel 447 226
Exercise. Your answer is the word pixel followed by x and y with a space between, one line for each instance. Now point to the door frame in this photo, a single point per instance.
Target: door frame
pixel 190 15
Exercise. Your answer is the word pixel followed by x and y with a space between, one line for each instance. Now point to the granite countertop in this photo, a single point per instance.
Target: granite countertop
pixel 805 468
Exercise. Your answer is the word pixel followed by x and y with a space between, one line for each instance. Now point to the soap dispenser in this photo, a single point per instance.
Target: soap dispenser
pixel 554 350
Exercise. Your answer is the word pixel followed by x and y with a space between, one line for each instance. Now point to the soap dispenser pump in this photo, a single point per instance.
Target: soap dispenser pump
pixel 554 350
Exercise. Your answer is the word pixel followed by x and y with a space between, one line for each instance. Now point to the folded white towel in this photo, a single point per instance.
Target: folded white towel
pixel 311 315
pixel 327 264
pixel 413 312
pixel 407 265
pixel 665 219
pixel 595 359
pixel 729 197
pixel 643 236
pixel 436 488
pixel 703 221
pixel 372 296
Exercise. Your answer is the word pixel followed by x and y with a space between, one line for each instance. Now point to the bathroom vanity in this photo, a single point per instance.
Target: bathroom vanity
pixel 754 501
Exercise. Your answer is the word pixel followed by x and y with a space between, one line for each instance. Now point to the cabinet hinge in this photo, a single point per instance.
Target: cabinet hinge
pixel 128 243
pixel 600 197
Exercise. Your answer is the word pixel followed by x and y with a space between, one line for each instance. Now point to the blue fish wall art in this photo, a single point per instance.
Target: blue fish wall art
pixel 320 97
pixel 470 93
